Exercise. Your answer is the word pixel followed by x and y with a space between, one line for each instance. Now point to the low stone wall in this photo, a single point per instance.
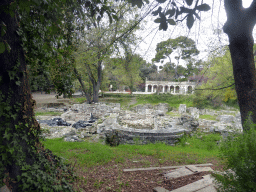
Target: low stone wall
pixel 136 136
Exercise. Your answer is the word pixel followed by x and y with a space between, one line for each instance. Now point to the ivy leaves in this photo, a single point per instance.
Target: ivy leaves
pixel 171 13
pixel 2 47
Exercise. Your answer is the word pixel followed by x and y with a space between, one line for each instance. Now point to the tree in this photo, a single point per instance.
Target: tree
pixel 46 48
pixel 25 165
pixel 127 71
pixel 146 69
pixel 218 75
pixel 239 25
pixel 101 40
pixel 185 46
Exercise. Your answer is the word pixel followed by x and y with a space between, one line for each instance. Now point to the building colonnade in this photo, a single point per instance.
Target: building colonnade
pixel 170 87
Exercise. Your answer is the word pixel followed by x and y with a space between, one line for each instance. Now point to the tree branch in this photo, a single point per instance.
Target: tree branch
pixel 218 88
pixel 251 10
pixel 232 7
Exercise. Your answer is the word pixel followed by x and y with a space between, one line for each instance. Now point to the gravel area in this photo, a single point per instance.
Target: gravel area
pixel 45 98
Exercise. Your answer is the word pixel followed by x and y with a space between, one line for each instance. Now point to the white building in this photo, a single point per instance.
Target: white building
pixel 184 87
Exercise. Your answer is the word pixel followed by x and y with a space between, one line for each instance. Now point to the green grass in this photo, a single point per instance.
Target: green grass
pixel 78 100
pixel 173 100
pixel 172 114
pixel 48 113
pixel 208 117
pixel 123 99
pixel 201 147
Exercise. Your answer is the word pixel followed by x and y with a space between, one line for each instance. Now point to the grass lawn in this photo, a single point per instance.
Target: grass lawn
pixel 208 117
pixel 47 113
pixel 173 100
pixel 90 157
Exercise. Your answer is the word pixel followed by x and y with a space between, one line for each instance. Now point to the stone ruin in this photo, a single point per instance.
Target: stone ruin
pixel 143 123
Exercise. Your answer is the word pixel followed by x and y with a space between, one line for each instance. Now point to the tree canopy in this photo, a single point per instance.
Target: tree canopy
pixel 186 46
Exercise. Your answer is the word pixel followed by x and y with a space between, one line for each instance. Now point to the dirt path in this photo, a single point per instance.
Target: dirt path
pixel 42 99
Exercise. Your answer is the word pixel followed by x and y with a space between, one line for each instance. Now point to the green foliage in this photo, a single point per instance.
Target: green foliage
pixel 166 48
pixel 112 138
pixel 239 153
pixel 125 71
pixel 99 42
pixel 220 74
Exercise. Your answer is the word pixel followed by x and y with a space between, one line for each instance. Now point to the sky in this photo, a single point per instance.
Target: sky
pixel 202 32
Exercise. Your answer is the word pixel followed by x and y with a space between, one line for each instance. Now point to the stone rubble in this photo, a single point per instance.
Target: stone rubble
pixel 145 123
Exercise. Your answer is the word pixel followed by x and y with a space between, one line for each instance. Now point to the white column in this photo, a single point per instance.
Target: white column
pixel 186 89
pixel 146 88
pixel 163 88
pixel 168 89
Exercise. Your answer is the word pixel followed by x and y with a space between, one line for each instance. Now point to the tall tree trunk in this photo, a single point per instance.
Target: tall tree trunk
pixel 16 105
pixel 239 26
pixel 87 94
pixel 96 85
pixel 95 93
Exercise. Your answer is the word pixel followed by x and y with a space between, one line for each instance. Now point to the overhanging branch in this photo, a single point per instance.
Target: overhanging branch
pixel 218 88
pixel 251 11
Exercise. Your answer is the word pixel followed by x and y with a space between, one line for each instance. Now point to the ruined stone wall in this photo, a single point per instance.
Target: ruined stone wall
pixel 136 136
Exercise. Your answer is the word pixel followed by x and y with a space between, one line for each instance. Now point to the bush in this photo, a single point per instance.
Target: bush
pixel 112 138
pixel 183 140
pixel 200 102
pixel 239 152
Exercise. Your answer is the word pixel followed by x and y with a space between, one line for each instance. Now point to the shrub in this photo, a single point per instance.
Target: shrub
pixel 183 140
pixel 112 138
pixel 239 152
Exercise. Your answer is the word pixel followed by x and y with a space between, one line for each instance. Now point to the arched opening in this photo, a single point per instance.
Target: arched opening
pixel 177 89
pixel 160 88
pixel 172 89
pixel 149 88
pixel 165 88
pixel 189 89
pixel 154 88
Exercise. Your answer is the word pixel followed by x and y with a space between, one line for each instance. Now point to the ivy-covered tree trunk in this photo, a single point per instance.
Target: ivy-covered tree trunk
pixel 24 163
pixel 18 127
pixel 239 27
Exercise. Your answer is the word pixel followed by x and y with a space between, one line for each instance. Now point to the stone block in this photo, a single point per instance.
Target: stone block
pixel 195 113
pixel 226 118
pixel 182 108
pixel 160 189
pixel 178 173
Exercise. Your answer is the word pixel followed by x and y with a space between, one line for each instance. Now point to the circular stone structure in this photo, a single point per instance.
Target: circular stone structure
pixel 145 136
